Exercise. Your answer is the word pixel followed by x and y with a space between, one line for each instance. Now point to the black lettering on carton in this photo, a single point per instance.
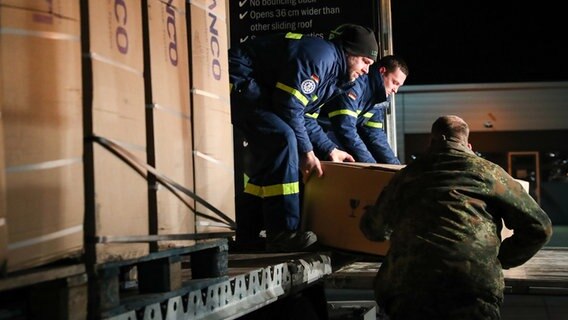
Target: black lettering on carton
pixel 214 43
pixel 172 33
pixel 120 14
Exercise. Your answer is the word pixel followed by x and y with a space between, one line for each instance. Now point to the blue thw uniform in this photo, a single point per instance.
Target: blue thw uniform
pixel 275 81
pixel 355 120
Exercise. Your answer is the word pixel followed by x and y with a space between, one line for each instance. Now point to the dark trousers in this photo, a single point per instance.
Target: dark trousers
pixel 436 305
pixel 271 199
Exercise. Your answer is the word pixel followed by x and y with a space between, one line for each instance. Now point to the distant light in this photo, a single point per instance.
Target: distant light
pixel 551 154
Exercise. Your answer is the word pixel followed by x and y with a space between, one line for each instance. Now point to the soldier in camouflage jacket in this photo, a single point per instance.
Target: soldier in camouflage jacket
pixel 443 214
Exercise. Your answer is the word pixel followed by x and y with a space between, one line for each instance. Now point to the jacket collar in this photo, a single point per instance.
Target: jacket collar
pixel 376 83
pixel 343 81
pixel 450 145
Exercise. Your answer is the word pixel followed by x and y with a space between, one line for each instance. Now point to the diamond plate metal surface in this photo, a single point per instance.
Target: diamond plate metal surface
pixel 240 294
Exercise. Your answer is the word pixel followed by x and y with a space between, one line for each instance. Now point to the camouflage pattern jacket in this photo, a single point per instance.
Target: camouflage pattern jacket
pixel 443 214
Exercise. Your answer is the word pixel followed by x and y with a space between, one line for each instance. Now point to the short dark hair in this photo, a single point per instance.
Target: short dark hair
pixel 392 62
pixel 448 126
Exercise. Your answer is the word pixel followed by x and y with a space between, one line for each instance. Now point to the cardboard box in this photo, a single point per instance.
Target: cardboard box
pixel 170 125
pixel 42 128
pixel 3 228
pixel 333 205
pixel 213 158
pixel 209 48
pixel 213 140
pixel 46 11
pixel 117 203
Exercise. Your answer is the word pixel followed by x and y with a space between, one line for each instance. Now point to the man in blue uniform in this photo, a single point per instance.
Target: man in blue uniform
pixel 443 214
pixel 276 81
pixel 355 120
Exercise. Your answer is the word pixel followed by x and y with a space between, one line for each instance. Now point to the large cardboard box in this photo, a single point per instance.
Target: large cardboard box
pixel 170 124
pixel 3 229
pixel 213 140
pixel 117 197
pixel 42 115
pixel 333 205
pixel 46 11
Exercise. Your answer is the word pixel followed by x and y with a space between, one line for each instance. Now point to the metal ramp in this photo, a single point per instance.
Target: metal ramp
pixel 254 282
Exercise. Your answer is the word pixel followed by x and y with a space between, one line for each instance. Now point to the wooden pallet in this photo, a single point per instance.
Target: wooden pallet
pixel 123 286
pixel 55 291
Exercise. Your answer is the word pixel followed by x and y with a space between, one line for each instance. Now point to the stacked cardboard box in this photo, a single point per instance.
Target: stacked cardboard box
pixel 3 229
pixel 81 129
pixel 186 135
pixel 114 106
pixel 213 135
pixel 185 132
pixel 42 143
pixel 170 127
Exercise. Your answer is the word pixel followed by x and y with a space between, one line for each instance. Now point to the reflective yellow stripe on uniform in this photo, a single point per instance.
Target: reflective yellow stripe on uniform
pixel 344 112
pixel 368 115
pixel 273 190
pixel 293 92
pixel 292 35
pixel 378 125
pixel 245 179
pixel 314 115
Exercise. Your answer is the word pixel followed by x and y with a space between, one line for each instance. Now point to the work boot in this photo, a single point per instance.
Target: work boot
pixel 290 241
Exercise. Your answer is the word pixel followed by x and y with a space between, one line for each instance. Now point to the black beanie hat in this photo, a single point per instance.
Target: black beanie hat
pixel 356 40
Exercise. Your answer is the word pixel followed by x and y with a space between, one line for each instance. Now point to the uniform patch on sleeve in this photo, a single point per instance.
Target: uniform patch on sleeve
pixel 308 86
pixel 352 95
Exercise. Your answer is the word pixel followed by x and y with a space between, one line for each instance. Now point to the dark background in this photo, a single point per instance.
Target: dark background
pixel 448 42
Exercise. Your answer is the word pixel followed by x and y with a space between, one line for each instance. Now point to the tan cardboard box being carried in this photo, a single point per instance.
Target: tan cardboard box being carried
pixel 333 204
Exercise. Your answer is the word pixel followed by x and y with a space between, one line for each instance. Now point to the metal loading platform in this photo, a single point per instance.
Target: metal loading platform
pixel 546 273
pixel 253 282
pixel 535 290
pixel 204 281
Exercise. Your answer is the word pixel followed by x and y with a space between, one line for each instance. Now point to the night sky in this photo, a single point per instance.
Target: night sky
pixel 481 41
